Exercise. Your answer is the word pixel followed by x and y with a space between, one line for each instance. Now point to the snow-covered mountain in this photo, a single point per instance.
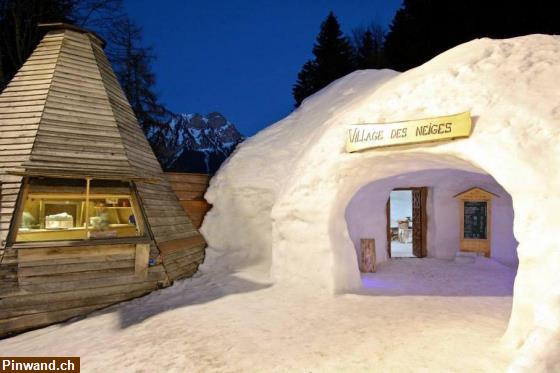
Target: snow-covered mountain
pixel 197 143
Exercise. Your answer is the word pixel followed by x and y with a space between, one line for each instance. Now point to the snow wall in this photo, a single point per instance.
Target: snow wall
pixel 366 216
pixel 281 199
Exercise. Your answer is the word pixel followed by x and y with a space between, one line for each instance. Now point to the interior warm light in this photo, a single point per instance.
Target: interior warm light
pixel 50 215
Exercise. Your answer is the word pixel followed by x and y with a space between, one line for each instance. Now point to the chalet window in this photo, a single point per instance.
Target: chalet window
pixel 57 209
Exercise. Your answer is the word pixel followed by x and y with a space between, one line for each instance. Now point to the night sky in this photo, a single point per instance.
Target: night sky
pixel 241 57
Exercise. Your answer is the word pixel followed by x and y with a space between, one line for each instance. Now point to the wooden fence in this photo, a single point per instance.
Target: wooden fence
pixel 190 189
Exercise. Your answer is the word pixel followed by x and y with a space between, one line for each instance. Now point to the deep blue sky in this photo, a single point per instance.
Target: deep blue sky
pixel 240 57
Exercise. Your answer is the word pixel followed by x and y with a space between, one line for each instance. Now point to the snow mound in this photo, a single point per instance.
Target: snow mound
pixel 280 200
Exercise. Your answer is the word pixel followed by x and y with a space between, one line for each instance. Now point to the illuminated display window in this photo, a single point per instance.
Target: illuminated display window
pixel 54 212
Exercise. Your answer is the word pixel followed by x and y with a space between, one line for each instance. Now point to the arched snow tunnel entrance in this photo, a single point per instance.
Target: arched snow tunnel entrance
pixel 360 206
pixel 447 270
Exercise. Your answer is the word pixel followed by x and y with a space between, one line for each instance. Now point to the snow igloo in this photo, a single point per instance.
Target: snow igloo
pixel 291 198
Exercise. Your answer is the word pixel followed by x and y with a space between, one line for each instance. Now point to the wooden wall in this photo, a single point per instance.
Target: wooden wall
pixel 41 285
pixel 189 189
pixel 60 282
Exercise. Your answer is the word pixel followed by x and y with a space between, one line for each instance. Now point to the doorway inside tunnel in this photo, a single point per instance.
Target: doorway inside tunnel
pixel 407 223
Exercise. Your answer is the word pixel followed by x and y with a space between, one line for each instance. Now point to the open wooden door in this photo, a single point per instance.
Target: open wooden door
pixel 388 213
pixel 419 221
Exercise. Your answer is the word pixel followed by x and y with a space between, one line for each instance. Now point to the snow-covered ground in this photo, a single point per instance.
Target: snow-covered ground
pixel 412 315
pixel 401 250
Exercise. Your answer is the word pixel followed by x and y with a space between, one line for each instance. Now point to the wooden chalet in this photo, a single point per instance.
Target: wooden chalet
pixel 88 218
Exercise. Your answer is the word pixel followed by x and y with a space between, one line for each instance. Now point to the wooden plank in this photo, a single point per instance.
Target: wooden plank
pixel 90 108
pixel 172 265
pixel 77 276
pixel 185 186
pixel 78 97
pixel 22 103
pixel 164 230
pixel 10 108
pixel 196 206
pixel 175 270
pixel 46 162
pixel 170 256
pixel 81 284
pixel 183 195
pixel 163 201
pixel 187 177
pixel 108 144
pixel 182 272
pixel 80 112
pixel 14 98
pixel 184 261
pixel 46 66
pixel 38 319
pixel 26 87
pixel 168 236
pixel 16 148
pixel 50 128
pixel 30 82
pixel 77 260
pixel 174 245
pixel 19 121
pixel 39 298
pixel 71 304
pixel 21 323
pixel 32 254
pixel 82 157
pixel 70 268
pixel 169 222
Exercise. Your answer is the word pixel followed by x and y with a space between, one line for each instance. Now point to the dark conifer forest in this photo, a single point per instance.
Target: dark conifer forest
pixel 420 30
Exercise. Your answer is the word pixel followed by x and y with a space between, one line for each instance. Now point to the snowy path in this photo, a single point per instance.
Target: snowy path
pixel 234 323
pixel 401 250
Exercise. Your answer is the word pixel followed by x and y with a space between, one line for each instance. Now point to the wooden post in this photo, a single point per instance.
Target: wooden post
pixel 367 255
pixel 141 259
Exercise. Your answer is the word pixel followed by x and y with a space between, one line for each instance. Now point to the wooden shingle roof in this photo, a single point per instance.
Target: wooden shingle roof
pixel 476 193
pixel 84 117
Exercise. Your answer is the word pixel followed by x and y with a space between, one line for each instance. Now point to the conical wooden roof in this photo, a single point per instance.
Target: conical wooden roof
pixel 65 114
pixel 72 104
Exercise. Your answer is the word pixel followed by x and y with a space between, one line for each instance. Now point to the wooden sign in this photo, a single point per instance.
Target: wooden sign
pixel 476 217
pixel 474 220
pixel 367 136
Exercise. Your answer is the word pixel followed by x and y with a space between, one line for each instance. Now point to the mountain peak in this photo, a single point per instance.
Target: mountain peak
pixel 196 143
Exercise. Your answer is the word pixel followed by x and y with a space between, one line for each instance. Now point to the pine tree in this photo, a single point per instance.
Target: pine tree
pixel 132 64
pixel 333 59
pixel 422 29
pixel 306 84
pixel 368 46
